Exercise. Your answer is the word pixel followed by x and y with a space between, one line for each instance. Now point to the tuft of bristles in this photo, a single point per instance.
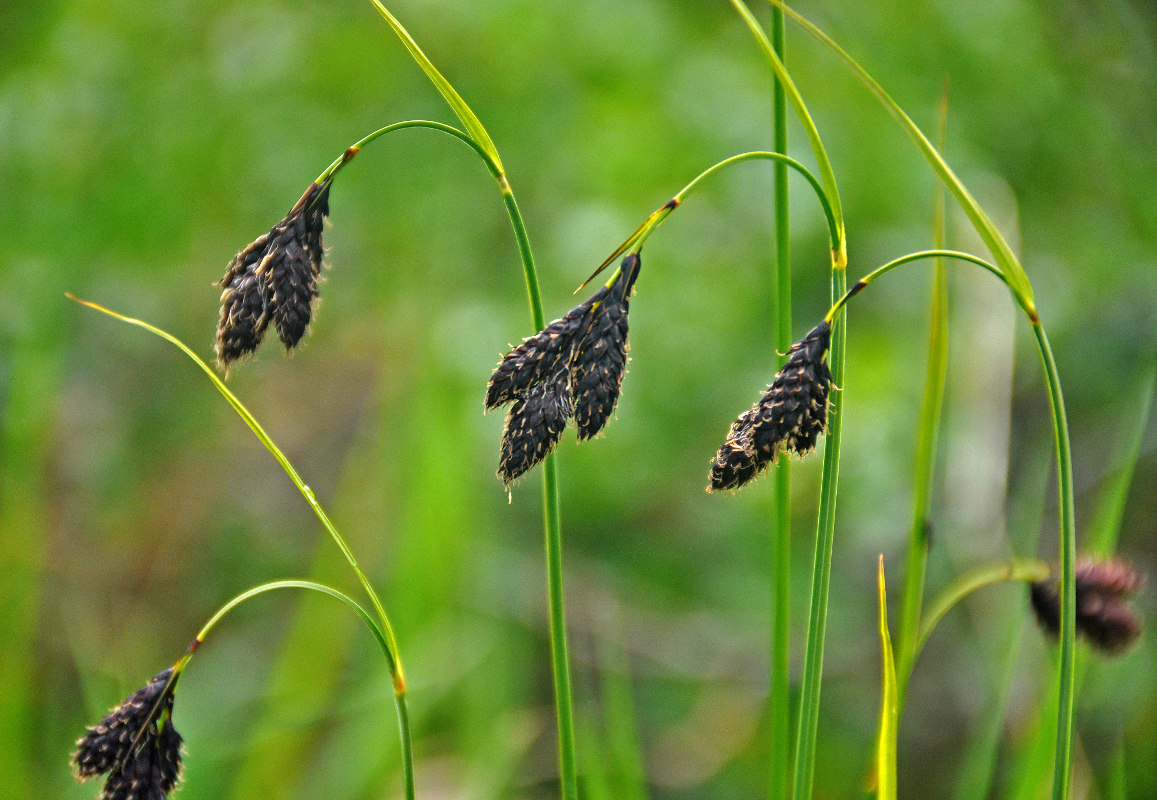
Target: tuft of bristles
pixel 136 744
pixel 274 279
pixel 1103 615
pixel 572 368
pixel 790 416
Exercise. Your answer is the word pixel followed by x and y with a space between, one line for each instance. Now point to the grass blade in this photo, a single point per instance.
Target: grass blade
pixel 889 705
pixel 453 99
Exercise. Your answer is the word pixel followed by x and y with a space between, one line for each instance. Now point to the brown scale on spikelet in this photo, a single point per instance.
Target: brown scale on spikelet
pixel 790 416
pixel 601 357
pixel 571 368
pixel 151 769
pixel 274 279
pixel 1103 615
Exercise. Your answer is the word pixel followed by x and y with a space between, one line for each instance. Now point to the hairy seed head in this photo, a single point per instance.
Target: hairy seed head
pixel 136 744
pixel 790 416
pixel 571 368
pixel 1103 615
pixel 274 278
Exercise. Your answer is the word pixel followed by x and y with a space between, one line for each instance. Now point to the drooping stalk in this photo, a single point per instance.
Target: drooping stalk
pixel 779 692
pixel 386 629
pixel 552 529
pixel 804 762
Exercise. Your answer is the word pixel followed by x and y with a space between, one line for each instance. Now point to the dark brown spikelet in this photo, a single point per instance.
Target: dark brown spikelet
pixel 601 357
pixel 1103 615
pixel 790 416
pixel 151 769
pixel 274 279
pixel 571 368
pixel 533 427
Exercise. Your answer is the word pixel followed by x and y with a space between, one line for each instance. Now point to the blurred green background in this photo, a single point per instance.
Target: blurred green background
pixel 142 144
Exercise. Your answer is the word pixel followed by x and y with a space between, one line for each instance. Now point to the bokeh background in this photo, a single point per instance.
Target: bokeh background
pixel 142 144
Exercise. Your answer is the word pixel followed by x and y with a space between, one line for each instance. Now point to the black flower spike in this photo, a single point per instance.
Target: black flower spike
pixel 601 356
pixel 136 744
pixel 274 279
pixel 1103 616
pixel 571 368
pixel 790 416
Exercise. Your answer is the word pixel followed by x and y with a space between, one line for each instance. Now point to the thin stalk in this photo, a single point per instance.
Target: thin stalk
pixel 931 406
pixel 1062 762
pixel 779 694
pixel 804 769
pixel 1026 571
pixel 379 636
pixel 355 148
pixel 552 535
pixel 659 216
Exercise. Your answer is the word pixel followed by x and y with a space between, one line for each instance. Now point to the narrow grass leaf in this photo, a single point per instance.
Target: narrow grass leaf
pixel 1001 251
pixel 455 101
pixel 889 710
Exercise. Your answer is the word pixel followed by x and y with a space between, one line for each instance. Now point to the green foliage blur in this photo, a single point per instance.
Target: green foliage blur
pixel 142 144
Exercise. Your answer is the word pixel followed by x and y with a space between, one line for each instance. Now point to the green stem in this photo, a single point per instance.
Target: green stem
pixel 1068 546
pixel 931 407
pixel 351 151
pixel 779 696
pixel 380 636
pixel 840 253
pixel 1024 571
pixel 386 629
pixel 808 728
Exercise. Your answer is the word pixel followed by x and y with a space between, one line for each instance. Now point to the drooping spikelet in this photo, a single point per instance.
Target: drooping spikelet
pixel 274 279
pixel 1103 615
pixel 601 357
pixel 136 744
pixel 571 368
pixel 790 416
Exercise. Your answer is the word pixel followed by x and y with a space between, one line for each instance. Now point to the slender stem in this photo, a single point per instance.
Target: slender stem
pixel 829 203
pixel 657 217
pixel 552 534
pixel 351 151
pixel 384 642
pixel 931 406
pixel 863 282
pixel 840 252
pixel 988 575
pixel 387 631
pixel 1068 547
pixel 780 690
pixel 808 729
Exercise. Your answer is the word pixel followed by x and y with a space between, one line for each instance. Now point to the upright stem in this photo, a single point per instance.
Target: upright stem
pixel 1068 547
pixel 552 532
pixel 780 690
pixel 931 407
pixel 822 564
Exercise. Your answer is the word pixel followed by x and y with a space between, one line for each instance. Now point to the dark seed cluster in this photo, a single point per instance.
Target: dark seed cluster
pixel 136 744
pixel 1103 615
pixel 571 368
pixel 274 279
pixel 790 416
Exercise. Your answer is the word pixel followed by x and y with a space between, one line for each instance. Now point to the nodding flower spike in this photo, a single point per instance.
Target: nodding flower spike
pixel 1103 615
pixel 572 368
pixel 136 744
pixel 790 416
pixel 274 279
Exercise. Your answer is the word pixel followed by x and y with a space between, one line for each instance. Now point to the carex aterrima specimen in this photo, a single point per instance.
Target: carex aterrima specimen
pixel 1103 615
pixel 573 368
pixel 790 416
pixel 136 744
pixel 274 279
